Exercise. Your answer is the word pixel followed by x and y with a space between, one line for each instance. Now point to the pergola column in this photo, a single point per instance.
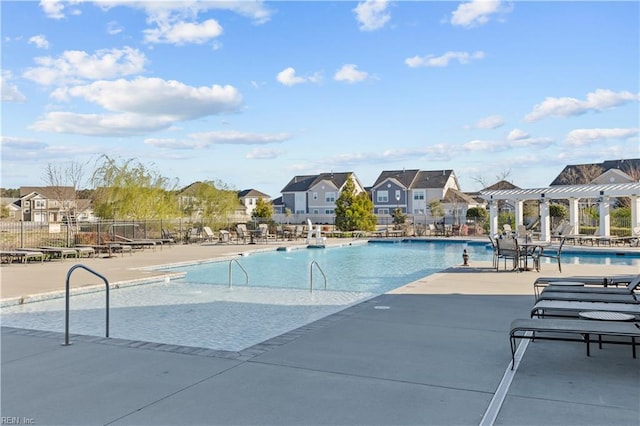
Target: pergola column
pixel 519 212
pixel 574 215
pixel 635 211
pixel 545 222
pixel 493 217
pixel 605 224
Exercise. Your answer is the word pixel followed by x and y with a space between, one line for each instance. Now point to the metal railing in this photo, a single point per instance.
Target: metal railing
pixel 67 297
pixel 311 275
pixel 246 274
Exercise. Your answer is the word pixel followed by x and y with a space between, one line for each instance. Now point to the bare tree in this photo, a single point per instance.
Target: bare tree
pixel 581 174
pixel 484 181
pixel 63 180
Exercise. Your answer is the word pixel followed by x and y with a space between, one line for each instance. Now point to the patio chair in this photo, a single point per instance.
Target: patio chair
pixel 298 232
pixel 208 234
pixel 241 233
pixel 552 253
pixel 263 233
pixel 507 249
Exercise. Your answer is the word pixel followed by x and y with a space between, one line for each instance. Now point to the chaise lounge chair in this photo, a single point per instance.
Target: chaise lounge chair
pixel 589 297
pixel 606 286
pixel 572 309
pixel 546 329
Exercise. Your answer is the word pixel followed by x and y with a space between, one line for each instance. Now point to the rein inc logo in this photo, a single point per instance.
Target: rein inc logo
pixel 6 420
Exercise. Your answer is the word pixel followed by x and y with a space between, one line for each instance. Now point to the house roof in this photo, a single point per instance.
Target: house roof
pixel 414 178
pixel 252 193
pixel 454 196
pixel 50 192
pixel 304 183
pixel 502 184
pixel 405 177
pixel 626 165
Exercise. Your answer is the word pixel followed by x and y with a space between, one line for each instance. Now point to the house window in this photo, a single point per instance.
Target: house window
pixel 40 204
pixel 316 211
pixel 330 197
pixel 329 211
pixel 315 195
pixel 418 196
pixel 383 211
pixel 300 212
pixel 382 197
pixel 398 194
pixel 418 211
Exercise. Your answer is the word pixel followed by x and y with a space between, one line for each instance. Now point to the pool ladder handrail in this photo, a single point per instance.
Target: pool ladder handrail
pixel 311 275
pixel 246 274
pixel 68 296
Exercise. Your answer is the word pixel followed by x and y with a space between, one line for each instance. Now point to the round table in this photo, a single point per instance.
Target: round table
pixel 606 316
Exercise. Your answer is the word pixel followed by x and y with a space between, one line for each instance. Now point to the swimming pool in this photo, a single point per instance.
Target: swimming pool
pixel 201 310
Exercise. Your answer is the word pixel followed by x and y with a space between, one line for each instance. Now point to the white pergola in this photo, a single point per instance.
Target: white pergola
pixel 572 193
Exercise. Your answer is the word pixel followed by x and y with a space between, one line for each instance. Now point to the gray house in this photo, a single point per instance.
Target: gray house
pixel 314 196
pixel 410 190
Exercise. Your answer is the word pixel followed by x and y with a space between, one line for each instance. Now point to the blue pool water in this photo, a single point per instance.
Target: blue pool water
pixel 375 268
pixel 202 311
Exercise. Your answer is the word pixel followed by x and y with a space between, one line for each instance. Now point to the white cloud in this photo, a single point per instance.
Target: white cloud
pixel 476 12
pixel 40 41
pixel 20 143
pixel 158 97
pixel 75 65
pixel 239 138
pixel 350 74
pixel 483 146
pixel 517 134
pixel 443 60
pixel 180 33
pixel 207 139
pixel 114 28
pixel 599 100
pixel 100 125
pixel 372 14
pixel 491 122
pixel 10 92
pixel 582 137
pixel 52 8
pixel 288 77
pixel 263 154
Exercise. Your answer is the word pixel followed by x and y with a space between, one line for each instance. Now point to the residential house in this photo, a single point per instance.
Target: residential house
pixel 580 174
pixel 46 204
pixel 314 196
pixel 411 191
pixel 249 198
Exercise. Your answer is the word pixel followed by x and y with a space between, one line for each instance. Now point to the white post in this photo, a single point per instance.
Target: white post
pixel 635 212
pixel 574 215
pixel 545 223
pixel 493 217
pixel 605 224
pixel 519 213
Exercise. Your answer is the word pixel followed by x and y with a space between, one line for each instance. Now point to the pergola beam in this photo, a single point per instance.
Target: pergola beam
pixel 601 192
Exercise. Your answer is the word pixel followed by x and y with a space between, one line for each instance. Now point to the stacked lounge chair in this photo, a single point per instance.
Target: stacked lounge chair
pixel 558 309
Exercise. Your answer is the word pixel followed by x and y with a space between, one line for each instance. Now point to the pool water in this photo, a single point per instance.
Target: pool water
pixel 375 268
pixel 201 309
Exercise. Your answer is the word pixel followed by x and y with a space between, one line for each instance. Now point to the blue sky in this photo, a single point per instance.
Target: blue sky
pixel 254 93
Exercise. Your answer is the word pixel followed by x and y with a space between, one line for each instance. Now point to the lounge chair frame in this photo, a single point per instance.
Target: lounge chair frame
pixel 571 309
pixel 537 329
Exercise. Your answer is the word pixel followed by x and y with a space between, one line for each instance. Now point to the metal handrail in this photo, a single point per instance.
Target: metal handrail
pixel 246 274
pixel 311 275
pixel 67 297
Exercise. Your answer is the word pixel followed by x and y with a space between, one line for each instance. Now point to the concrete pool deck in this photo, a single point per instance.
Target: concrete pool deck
pixel 433 352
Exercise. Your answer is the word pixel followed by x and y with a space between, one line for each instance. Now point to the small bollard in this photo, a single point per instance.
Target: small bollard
pixel 465 257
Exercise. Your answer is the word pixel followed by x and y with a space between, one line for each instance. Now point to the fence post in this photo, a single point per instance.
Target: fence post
pixel 21 233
